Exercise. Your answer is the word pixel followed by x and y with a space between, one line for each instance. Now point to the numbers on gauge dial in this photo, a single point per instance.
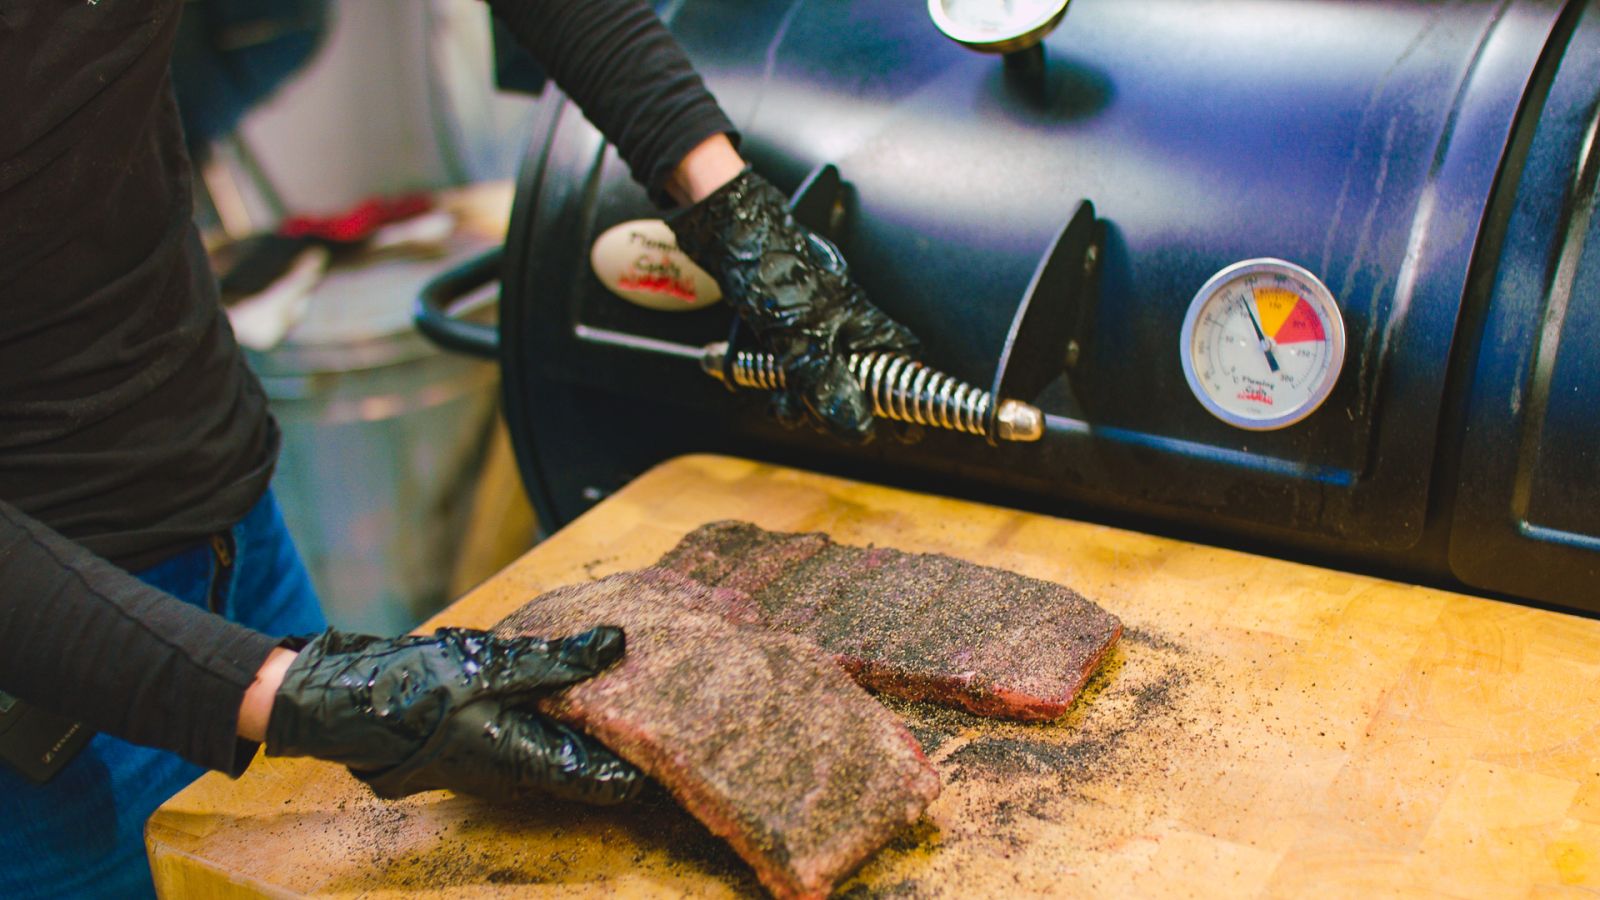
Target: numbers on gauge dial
pixel 1265 344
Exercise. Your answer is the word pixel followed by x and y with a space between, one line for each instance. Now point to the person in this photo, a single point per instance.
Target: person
pixel 147 584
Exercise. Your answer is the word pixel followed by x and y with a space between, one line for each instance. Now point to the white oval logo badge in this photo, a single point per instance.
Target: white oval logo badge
pixel 640 262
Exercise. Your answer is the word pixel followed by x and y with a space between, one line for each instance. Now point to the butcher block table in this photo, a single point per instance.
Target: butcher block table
pixel 1264 728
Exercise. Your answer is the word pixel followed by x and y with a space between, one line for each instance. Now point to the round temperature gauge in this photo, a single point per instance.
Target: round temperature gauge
pixel 1262 344
pixel 997 26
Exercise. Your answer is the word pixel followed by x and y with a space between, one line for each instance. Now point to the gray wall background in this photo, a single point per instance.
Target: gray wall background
pixel 399 97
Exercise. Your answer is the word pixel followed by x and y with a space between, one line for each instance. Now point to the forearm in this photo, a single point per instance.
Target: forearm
pixel 627 73
pixel 82 638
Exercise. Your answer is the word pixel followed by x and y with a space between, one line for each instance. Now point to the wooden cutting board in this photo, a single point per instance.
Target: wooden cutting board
pixel 1265 728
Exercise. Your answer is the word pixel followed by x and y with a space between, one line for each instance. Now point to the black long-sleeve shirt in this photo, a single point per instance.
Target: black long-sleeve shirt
pixel 130 428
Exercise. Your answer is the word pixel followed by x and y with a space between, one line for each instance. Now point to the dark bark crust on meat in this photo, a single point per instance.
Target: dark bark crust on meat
pixel 755 732
pixel 918 626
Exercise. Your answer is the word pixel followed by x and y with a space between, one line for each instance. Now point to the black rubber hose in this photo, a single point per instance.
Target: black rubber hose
pixel 432 316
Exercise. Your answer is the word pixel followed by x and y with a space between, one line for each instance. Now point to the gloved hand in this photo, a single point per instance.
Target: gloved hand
pixel 449 710
pixel 808 313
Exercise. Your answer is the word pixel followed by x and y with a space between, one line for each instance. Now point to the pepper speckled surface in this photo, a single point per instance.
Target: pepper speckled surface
pixel 1265 729
pixel 755 732
pixel 917 626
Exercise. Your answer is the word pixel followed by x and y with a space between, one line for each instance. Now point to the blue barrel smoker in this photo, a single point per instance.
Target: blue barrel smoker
pixel 1430 166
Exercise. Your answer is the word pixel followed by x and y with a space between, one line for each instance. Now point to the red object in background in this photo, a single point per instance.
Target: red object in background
pixel 359 223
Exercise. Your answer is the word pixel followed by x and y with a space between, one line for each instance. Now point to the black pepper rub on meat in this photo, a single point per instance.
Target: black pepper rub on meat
pixel 755 732
pixel 918 626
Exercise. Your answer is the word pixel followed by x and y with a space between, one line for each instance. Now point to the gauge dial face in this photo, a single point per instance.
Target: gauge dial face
pixel 997 26
pixel 1262 344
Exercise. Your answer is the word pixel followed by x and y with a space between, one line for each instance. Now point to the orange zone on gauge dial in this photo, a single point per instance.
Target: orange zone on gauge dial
pixel 1286 317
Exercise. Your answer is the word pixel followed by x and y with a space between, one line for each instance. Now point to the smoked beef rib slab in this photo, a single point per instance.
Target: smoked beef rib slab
pixel 919 626
pixel 755 732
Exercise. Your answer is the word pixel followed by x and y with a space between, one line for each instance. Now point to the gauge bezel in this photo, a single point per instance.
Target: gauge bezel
pixel 1021 39
pixel 1333 319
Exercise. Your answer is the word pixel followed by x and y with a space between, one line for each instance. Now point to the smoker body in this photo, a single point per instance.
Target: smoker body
pixel 1432 163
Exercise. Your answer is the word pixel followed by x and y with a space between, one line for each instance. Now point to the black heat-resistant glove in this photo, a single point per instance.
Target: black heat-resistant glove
pixel 449 710
pixel 808 313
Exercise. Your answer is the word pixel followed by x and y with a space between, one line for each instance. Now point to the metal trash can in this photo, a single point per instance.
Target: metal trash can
pixel 383 441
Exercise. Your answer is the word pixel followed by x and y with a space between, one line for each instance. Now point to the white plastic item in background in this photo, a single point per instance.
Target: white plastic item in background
pixel 261 321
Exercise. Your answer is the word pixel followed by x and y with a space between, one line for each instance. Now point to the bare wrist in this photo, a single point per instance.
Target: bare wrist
pixel 256 708
pixel 711 164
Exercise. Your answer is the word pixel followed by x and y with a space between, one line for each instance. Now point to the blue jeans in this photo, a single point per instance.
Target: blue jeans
pixel 82 833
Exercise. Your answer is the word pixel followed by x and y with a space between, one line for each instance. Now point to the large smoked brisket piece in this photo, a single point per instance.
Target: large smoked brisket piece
pixel 755 732
pixel 915 625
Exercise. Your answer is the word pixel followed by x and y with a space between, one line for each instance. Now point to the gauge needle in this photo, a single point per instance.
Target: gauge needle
pixel 1266 346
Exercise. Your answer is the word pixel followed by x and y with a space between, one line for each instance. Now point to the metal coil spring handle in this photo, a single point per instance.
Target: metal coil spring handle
pixel 901 389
